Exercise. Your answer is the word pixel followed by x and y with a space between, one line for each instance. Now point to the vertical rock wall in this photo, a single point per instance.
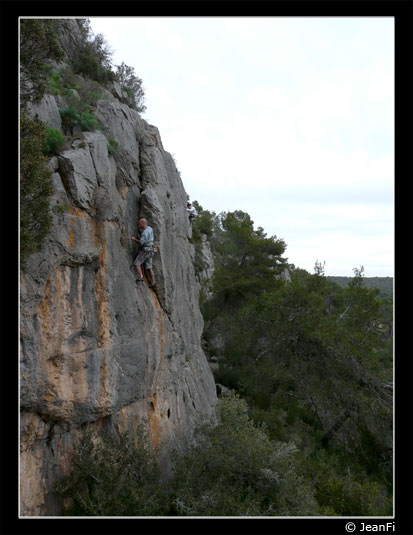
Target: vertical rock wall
pixel 96 349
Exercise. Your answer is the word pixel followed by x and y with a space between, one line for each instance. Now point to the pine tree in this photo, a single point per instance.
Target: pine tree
pixel 247 262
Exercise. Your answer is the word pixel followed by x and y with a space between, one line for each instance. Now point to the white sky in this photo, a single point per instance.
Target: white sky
pixel 290 119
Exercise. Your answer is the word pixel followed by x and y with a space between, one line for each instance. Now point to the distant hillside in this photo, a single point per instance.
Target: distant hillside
pixel 384 284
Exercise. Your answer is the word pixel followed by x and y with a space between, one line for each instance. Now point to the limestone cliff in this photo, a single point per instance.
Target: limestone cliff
pixel 97 351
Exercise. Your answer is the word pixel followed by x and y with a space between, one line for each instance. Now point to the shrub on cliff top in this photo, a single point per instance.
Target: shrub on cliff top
pixel 203 224
pixel 39 43
pixel 132 84
pixel 94 59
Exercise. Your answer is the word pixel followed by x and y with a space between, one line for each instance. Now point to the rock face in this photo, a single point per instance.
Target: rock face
pixel 97 351
pixel 208 266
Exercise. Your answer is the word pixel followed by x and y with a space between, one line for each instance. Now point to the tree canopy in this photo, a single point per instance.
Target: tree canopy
pixel 247 262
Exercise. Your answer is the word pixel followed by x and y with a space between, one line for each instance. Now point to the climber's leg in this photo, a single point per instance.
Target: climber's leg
pixel 137 263
pixel 150 271
pixel 139 270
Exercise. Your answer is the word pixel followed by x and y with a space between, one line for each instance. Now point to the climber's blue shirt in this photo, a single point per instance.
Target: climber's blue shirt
pixel 146 237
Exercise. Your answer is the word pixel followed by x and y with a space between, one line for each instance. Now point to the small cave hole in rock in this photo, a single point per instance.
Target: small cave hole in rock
pixel 151 406
pixel 169 413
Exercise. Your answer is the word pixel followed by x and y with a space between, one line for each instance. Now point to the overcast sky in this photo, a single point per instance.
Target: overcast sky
pixel 290 119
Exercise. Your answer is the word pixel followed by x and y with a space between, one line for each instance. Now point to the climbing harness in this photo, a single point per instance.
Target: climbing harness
pixel 148 251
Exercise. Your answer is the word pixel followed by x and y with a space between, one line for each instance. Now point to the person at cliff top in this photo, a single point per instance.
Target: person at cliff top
pixel 192 212
pixel 146 251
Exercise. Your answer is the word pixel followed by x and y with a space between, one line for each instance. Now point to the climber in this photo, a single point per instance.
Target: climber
pixel 146 251
pixel 192 212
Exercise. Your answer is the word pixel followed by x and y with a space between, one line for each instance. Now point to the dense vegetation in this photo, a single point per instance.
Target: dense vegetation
pixel 233 469
pixel 313 360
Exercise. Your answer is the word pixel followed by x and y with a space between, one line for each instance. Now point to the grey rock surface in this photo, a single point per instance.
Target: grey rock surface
pixel 208 265
pixel 70 37
pixel 47 111
pixel 78 173
pixel 96 349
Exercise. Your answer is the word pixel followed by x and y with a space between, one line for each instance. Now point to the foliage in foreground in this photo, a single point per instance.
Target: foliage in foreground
pixel 114 477
pixel 233 469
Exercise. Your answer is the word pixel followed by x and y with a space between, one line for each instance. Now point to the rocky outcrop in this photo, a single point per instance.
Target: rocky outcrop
pixel 48 111
pixel 97 350
pixel 206 260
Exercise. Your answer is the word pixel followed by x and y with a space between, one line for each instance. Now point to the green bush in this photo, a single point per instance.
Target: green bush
pixel 54 141
pixel 352 494
pixel 204 222
pixel 71 117
pixel 89 92
pixel 113 146
pixel 55 84
pixel 114 477
pixel 89 122
pixel 67 92
pixel 94 97
pixel 132 84
pixel 63 82
pixel 234 469
pixel 69 78
pixel 35 188
pixel 94 59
